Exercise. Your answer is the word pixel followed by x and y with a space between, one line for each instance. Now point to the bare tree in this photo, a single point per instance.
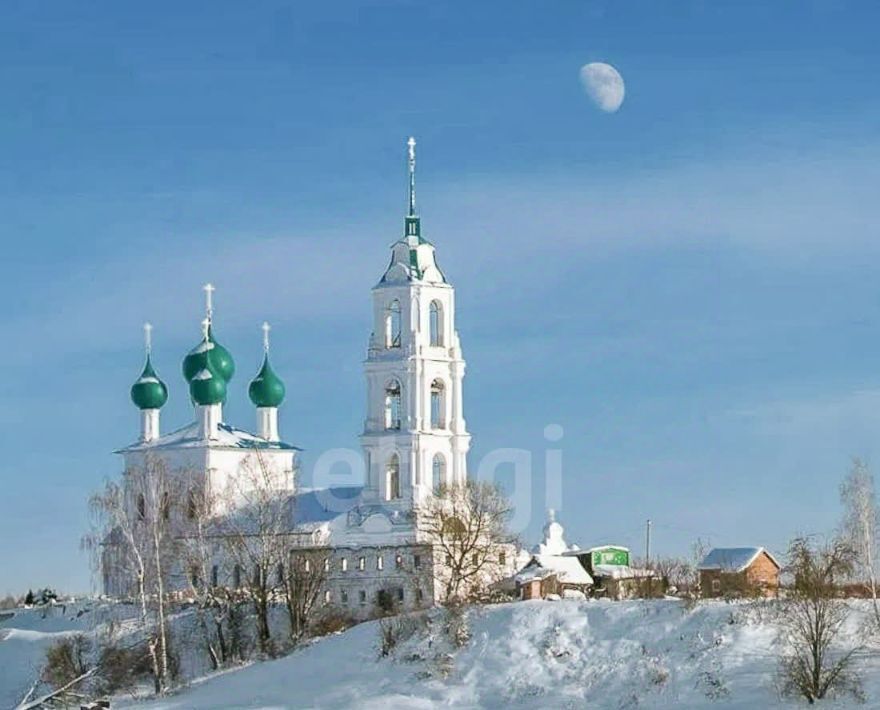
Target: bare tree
pixel 812 616
pixel 467 527
pixel 256 535
pixel 132 542
pixel 304 580
pixel 859 525
pixel 198 548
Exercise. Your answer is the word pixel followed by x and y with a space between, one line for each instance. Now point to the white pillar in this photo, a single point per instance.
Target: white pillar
pixel 149 424
pixel 209 417
pixel 267 423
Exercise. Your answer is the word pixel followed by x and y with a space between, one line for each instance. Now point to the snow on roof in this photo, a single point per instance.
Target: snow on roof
pixel 227 436
pixel 567 569
pixel 733 559
pixel 622 572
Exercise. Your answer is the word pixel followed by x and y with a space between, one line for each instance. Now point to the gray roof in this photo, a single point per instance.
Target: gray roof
pixel 733 559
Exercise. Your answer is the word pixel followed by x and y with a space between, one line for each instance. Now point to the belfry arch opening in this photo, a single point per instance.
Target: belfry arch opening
pixel 392 324
pixel 435 323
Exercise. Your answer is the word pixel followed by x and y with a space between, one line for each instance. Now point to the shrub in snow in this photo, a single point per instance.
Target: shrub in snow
pixel 67 660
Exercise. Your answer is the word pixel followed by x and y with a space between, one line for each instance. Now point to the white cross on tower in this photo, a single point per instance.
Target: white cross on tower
pixel 209 301
pixel 266 329
pixel 148 337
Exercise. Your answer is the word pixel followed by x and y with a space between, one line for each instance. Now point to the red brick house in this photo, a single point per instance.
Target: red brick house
pixel 739 571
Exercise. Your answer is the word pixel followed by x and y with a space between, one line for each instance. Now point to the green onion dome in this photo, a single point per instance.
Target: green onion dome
pixel 207 385
pixel 266 389
pixel 197 359
pixel 149 392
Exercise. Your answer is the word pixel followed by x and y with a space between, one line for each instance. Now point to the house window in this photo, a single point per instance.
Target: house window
pixel 307 565
pixel 435 319
pixel 343 564
pixel 392 405
pixel 398 561
pixel 194 576
pixel 258 576
pixel 236 576
pixel 379 562
pixel 438 404
pixel 392 325
pixel 362 597
pixel 215 574
pixel 716 585
pixel 419 595
pixel 279 574
pixel 165 508
pixel 326 564
pixel 475 559
pixel 502 558
pixel 417 561
pixel 393 474
pixel 362 563
pixel 438 472
pixel 141 506
pixel 327 596
pixel 400 594
pixel 343 595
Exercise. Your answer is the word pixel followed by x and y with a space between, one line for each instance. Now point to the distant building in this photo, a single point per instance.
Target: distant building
pixel 734 571
pixel 614 577
pixel 552 568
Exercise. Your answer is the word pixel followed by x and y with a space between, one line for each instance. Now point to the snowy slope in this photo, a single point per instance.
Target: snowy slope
pixel 533 654
pixel 25 634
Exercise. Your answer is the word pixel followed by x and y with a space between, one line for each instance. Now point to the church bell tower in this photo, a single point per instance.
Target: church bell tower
pixel 415 438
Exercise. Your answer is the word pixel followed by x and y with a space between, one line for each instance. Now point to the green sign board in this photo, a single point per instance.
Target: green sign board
pixel 610 556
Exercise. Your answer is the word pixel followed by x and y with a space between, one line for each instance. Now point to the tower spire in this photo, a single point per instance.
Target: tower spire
pixel 411 145
pixel 413 226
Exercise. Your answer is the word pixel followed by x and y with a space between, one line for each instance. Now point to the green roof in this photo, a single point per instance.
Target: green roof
pixel 266 389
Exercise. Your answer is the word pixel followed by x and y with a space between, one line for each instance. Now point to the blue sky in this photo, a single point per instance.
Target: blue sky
pixel 688 286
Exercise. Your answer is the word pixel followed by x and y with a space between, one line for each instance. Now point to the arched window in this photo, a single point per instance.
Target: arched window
pixel 236 576
pixel 392 325
pixel 141 506
pixel 392 405
pixel 435 320
pixel 439 471
pixel 393 473
pixel 438 405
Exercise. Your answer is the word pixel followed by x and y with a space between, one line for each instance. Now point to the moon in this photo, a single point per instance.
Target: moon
pixel 604 85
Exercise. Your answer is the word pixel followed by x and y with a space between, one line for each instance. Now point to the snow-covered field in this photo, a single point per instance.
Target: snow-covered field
pixel 530 655
pixel 646 654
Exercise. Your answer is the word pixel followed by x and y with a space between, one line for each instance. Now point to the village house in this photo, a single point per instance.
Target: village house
pixel 739 571
pixel 613 575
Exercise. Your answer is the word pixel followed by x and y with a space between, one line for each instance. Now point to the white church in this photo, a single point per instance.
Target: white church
pixel 414 437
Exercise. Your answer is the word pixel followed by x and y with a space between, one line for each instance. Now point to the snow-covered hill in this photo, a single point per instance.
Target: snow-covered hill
pixel 533 655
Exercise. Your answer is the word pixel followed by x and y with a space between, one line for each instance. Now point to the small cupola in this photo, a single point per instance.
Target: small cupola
pixel 149 393
pixel 267 391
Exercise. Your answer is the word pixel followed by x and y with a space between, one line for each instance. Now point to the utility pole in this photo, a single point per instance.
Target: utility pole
pixel 648 544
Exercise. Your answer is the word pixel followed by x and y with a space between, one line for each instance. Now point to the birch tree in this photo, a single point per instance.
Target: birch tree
pixel 131 541
pixel 859 525
pixel 255 537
